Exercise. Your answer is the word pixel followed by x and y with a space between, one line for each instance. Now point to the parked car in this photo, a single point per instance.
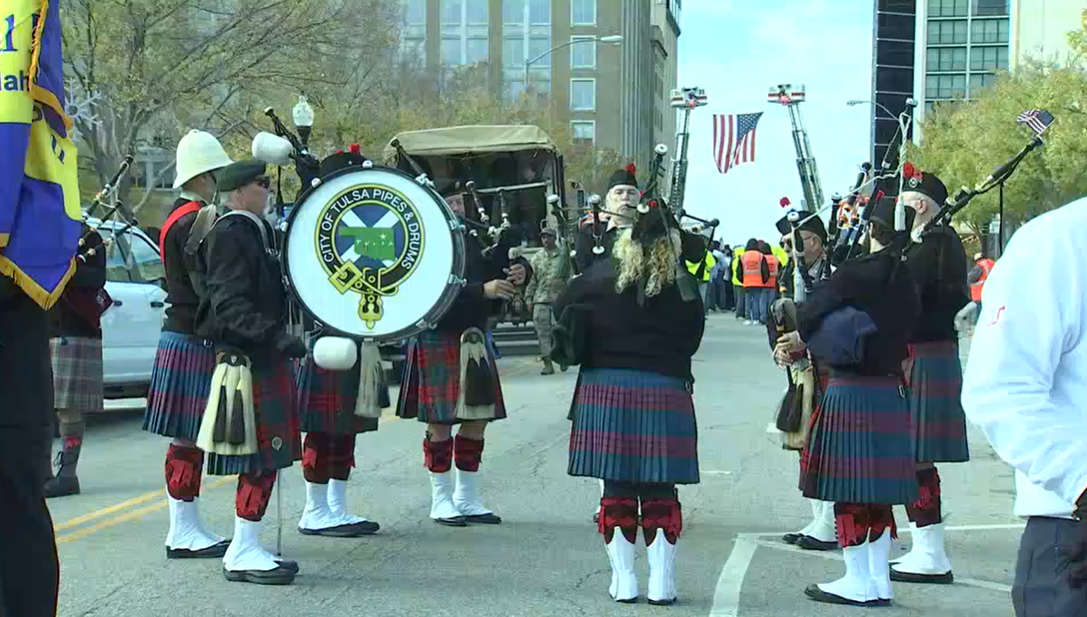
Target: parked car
pixel 135 280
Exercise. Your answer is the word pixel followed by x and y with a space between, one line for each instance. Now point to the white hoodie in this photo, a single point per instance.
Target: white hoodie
pixel 1026 379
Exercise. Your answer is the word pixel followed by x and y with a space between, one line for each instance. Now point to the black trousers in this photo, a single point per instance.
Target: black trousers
pixel 1041 586
pixel 29 570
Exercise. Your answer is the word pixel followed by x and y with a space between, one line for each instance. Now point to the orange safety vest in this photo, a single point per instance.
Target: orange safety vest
pixel 986 267
pixel 775 265
pixel 752 262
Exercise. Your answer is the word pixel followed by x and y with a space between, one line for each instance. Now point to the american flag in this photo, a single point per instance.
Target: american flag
pixel 734 140
pixel 1037 119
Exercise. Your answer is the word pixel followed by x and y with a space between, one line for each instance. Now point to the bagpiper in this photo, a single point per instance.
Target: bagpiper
pixel 939 266
pixel 450 377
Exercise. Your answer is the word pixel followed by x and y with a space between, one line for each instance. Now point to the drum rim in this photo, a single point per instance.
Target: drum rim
pixel 436 312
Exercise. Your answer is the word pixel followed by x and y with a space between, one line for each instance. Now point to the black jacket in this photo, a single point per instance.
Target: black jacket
pixel 472 308
pixel 246 303
pixel 78 312
pixel 879 285
pixel 939 268
pixel 660 337
pixel 181 297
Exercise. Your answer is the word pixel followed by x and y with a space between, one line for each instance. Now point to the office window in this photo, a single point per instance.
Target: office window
pixel 894 53
pixel 988 58
pixel 945 59
pixel 977 82
pixel 583 94
pixel 413 12
pixel 513 52
pixel 989 31
pixel 584 133
pixel 464 32
pixel 539 12
pixel 899 27
pixel 583 52
pixel 513 12
pixel 944 86
pixel 990 7
pixel 583 12
pixel 898 6
pixel 894 80
pixel 526 33
pixel 947 32
pixel 948 8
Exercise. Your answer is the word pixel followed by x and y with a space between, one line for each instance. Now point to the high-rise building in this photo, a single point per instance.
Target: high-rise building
pixel 962 43
pixel 608 92
pixel 1039 29
pixel 892 71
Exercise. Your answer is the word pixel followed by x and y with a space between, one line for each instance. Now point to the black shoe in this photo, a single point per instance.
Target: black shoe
pixel 354 530
pixel 455 521
pixel 819 595
pixel 279 576
pixel 596 518
pixel 790 538
pixel 62 486
pixel 946 578
pixel 215 550
pixel 809 543
pixel 484 519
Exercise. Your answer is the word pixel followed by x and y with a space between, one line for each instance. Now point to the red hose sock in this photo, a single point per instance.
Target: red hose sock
pixel 859 522
pixel 926 510
pixel 621 512
pixel 184 469
pixel 438 455
pixel 663 514
pixel 326 456
pixel 468 453
pixel 254 492
pixel 882 518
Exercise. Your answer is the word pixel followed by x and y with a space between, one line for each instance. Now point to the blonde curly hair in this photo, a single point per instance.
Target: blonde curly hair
pixel 657 265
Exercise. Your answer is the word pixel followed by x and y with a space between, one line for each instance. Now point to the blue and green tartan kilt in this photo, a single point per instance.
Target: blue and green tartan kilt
pixel 431 383
pixel 939 422
pixel 633 426
pixel 860 449
pixel 326 400
pixel 180 380
pixel 278 432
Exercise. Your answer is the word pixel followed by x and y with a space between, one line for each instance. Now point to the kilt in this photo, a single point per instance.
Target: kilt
pixel 822 380
pixel 633 426
pixel 431 384
pixel 77 373
pixel 278 431
pixel 939 423
pixel 326 400
pixel 180 381
pixel 861 448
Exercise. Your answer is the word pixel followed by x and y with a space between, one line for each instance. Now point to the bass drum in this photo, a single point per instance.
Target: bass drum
pixel 372 254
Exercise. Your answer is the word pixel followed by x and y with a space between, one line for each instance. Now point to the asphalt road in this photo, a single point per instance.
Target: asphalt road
pixel 546 559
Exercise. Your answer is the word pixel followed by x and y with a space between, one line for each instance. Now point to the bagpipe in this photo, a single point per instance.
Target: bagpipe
pixel 118 209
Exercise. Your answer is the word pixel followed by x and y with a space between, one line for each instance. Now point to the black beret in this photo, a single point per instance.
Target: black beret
pixel 626 176
pixel 451 189
pixel 340 160
pixel 926 183
pixel 237 175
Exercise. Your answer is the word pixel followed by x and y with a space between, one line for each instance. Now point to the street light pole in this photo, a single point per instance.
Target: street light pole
pixel 613 39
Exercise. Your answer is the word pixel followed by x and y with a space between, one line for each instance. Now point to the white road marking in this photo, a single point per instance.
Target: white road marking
pixel 714 472
pixel 120 404
pixel 726 597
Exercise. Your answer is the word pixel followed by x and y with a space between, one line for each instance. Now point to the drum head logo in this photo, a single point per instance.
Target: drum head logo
pixel 370 239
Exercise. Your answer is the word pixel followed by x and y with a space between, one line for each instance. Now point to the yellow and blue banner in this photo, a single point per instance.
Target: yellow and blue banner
pixel 40 214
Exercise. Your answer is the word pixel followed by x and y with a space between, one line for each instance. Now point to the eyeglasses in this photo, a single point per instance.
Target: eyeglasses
pixel 263 182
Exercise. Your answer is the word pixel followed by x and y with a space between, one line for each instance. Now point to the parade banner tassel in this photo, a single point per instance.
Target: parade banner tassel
pixel 371 382
pixel 477 380
pixel 229 426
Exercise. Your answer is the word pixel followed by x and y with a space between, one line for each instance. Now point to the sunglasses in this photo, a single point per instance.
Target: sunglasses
pixel 263 182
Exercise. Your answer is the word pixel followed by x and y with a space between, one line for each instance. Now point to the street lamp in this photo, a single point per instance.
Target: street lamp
pixel 855 102
pixel 612 39
pixel 303 118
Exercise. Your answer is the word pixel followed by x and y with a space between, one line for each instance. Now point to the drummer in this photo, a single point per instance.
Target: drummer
pixel 451 378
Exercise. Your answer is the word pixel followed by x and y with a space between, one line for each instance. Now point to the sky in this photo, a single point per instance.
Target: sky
pixel 736 50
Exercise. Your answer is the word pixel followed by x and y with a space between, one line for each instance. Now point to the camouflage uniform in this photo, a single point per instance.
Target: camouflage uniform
pixel 546 285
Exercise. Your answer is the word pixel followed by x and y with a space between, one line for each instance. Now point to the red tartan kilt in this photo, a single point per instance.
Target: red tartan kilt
pixel 279 438
pixel 431 384
pixel 326 401
pixel 817 410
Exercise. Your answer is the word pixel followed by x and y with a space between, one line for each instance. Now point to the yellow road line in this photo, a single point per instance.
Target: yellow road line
pixel 515 369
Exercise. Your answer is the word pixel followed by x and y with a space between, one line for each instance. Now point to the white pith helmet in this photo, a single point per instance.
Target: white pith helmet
pixel 198 152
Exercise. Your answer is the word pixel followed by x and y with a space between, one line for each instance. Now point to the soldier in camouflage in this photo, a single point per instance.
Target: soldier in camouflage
pixel 549 281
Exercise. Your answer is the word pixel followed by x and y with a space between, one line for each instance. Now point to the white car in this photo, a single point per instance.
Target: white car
pixel 135 280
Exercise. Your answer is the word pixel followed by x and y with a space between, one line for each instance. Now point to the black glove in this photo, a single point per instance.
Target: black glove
pixel 291 346
pixel 1077 557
